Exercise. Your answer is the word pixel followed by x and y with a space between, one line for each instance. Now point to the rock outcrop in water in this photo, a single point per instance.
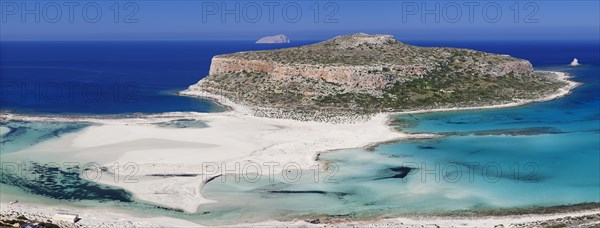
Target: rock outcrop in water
pixel 365 74
pixel 575 62
pixel 277 39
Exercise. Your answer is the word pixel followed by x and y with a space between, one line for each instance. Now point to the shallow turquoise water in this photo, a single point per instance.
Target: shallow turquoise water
pixel 16 135
pixel 541 154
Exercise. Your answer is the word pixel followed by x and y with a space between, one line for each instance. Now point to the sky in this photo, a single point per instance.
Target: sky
pixel 300 20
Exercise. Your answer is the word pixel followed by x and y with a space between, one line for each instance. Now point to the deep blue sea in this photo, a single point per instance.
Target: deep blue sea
pixel 108 77
pixel 124 77
pixel 541 154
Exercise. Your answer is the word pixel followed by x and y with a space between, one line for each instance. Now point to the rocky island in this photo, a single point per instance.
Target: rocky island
pixel 365 74
pixel 277 39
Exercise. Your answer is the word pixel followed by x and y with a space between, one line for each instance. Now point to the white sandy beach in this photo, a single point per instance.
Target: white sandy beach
pixel 233 137
pixel 90 217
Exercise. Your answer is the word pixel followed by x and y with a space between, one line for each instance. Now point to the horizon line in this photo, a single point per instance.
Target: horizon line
pixel 293 40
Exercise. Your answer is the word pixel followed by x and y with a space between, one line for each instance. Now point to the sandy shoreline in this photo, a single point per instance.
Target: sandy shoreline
pixel 89 217
pixel 232 138
pixel 109 218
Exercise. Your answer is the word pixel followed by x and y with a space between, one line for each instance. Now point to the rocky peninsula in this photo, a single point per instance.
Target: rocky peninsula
pixel 364 74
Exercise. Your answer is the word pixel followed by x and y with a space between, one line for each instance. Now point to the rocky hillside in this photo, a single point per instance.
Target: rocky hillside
pixel 371 73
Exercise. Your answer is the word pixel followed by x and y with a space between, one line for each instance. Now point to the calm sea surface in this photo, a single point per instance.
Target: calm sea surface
pixel 541 154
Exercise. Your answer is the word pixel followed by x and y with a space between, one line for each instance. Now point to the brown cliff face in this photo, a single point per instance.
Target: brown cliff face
pixel 364 72
pixel 361 77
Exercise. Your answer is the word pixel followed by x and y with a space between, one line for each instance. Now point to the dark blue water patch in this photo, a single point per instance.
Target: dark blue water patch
pixel 395 173
pixel 510 132
pixel 23 134
pixel 426 147
pixel 325 193
pixel 66 184
pixel 521 131
pixel 59 183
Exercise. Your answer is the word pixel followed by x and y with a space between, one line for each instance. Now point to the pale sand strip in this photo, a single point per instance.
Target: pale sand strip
pixel 526 220
pixel 90 217
pixel 113 219
pixel 233 137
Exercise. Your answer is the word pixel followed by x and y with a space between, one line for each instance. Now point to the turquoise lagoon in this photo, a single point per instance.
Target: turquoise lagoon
pixel 542 154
